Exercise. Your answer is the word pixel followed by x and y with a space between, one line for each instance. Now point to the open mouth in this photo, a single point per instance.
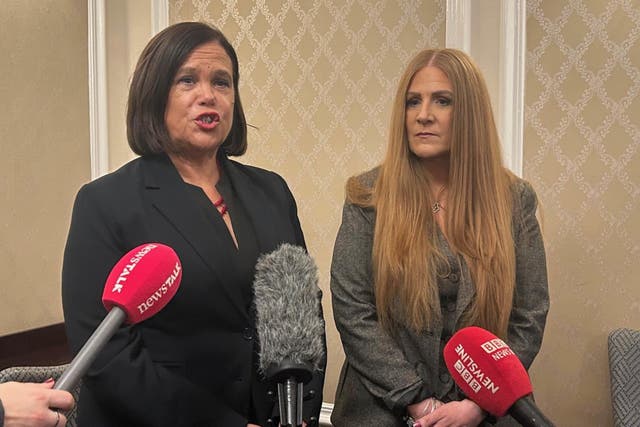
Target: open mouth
pixel 208 118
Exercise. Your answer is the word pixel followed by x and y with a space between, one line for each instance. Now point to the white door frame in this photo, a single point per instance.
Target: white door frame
pixel 511 68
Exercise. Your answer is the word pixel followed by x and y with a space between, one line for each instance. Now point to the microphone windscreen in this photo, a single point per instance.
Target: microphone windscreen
pixel 486 369
pixel 143 281
pixel 287 300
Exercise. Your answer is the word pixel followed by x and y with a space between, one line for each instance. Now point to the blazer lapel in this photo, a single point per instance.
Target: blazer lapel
pixel 260 209
pixel 170 196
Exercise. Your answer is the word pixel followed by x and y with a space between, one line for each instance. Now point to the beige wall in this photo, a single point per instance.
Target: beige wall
pixel 128 29
pixel 582 141
pixel 317 79
pixel 44 133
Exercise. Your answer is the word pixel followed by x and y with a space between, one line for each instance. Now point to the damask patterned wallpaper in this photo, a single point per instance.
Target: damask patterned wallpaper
pixel 581 153
pixel 317 79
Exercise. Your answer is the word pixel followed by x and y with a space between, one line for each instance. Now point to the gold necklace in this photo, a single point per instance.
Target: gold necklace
pixel 437 206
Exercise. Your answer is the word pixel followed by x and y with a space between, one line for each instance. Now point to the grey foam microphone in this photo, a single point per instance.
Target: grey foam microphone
pixel 289 325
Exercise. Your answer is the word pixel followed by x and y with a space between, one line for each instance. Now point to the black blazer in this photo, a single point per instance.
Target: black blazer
pixel 194 363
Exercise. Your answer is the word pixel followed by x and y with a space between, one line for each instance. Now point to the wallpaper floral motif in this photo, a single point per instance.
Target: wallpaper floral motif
pixel 582 137
pixel 317 79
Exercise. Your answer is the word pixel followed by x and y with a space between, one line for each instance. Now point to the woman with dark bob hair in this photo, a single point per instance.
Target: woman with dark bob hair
pixel 195 363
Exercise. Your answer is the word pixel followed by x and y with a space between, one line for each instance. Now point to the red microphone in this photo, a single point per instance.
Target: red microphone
pixel 139 286
pixel 492 376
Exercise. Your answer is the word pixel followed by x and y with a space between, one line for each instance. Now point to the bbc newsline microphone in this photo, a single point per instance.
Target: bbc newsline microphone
pixel 289 325
pixel 491 375
pixel 138 287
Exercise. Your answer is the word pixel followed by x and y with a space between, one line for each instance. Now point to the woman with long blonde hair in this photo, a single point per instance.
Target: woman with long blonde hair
pixel 438 237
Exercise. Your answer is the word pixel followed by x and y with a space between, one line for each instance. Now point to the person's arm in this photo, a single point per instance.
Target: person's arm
pixel 531 299
pixel 33 405
pixel 371 351
pixel 123 378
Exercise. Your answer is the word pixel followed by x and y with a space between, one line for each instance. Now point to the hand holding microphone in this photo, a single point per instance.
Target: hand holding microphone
pixel 492 376
pixel 289 325
pixel 139 286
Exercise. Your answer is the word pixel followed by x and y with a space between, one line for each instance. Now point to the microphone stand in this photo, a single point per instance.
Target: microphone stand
pixel 290 378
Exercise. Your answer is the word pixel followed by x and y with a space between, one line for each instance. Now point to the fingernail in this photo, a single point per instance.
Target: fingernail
pixel 50 380
pixel 416 425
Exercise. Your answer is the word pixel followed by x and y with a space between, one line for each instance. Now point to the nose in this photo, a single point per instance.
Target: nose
pixel 207 94
pixel 425 116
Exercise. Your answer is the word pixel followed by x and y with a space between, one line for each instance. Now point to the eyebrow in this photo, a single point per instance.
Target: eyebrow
pixel 191 70
pixel 436 93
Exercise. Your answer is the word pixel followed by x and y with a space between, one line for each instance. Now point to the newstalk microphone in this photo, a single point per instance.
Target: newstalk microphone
pixel 492 376
pixel 289 325
pixel 139 286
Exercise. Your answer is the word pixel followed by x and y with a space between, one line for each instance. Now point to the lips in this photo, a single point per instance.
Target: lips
pixel 208 120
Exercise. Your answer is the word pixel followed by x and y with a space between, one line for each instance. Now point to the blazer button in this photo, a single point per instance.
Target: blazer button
pixel 444 377
pixel 246 334
pixel 451 307
pixel 454 277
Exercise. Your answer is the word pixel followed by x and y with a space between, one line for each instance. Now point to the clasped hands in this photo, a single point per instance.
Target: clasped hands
pixel 433 413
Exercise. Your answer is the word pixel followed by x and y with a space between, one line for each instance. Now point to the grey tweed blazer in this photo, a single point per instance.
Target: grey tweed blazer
pixel 382 374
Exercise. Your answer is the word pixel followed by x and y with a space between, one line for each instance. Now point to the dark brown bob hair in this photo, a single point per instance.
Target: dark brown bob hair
pixel 152 80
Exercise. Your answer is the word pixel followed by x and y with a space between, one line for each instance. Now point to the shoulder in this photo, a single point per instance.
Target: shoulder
pixel 122 177
pixel 357 207
pixel 524 196
pixel 257 175
pixel 367 179
pixel 521 187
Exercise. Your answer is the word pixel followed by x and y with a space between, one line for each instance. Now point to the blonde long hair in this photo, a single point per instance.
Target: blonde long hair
pixel 478 218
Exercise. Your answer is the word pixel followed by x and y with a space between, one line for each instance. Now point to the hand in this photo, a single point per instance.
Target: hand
pixel 27 404
pixel 252 425
pixel 462 413
pixel 420 409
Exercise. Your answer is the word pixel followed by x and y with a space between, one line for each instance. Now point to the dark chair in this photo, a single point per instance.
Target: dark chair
pixel 38 374
pixel 624 366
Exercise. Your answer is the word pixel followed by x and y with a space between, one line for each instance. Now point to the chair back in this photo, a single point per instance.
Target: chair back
pixel 38 374
pixel 624 366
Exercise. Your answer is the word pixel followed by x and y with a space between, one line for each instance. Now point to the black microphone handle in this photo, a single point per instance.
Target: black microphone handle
pixel 290 378
pixel 87 354
pixel 290 401
pixel 527 413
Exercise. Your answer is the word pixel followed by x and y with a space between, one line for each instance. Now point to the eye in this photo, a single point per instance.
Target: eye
pixel 413 101
pixel 443 100
pixel 186 80
pixel 222 83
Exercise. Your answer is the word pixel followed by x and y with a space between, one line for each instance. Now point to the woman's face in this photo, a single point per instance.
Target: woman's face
pixel 429 107
pixel 199 113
